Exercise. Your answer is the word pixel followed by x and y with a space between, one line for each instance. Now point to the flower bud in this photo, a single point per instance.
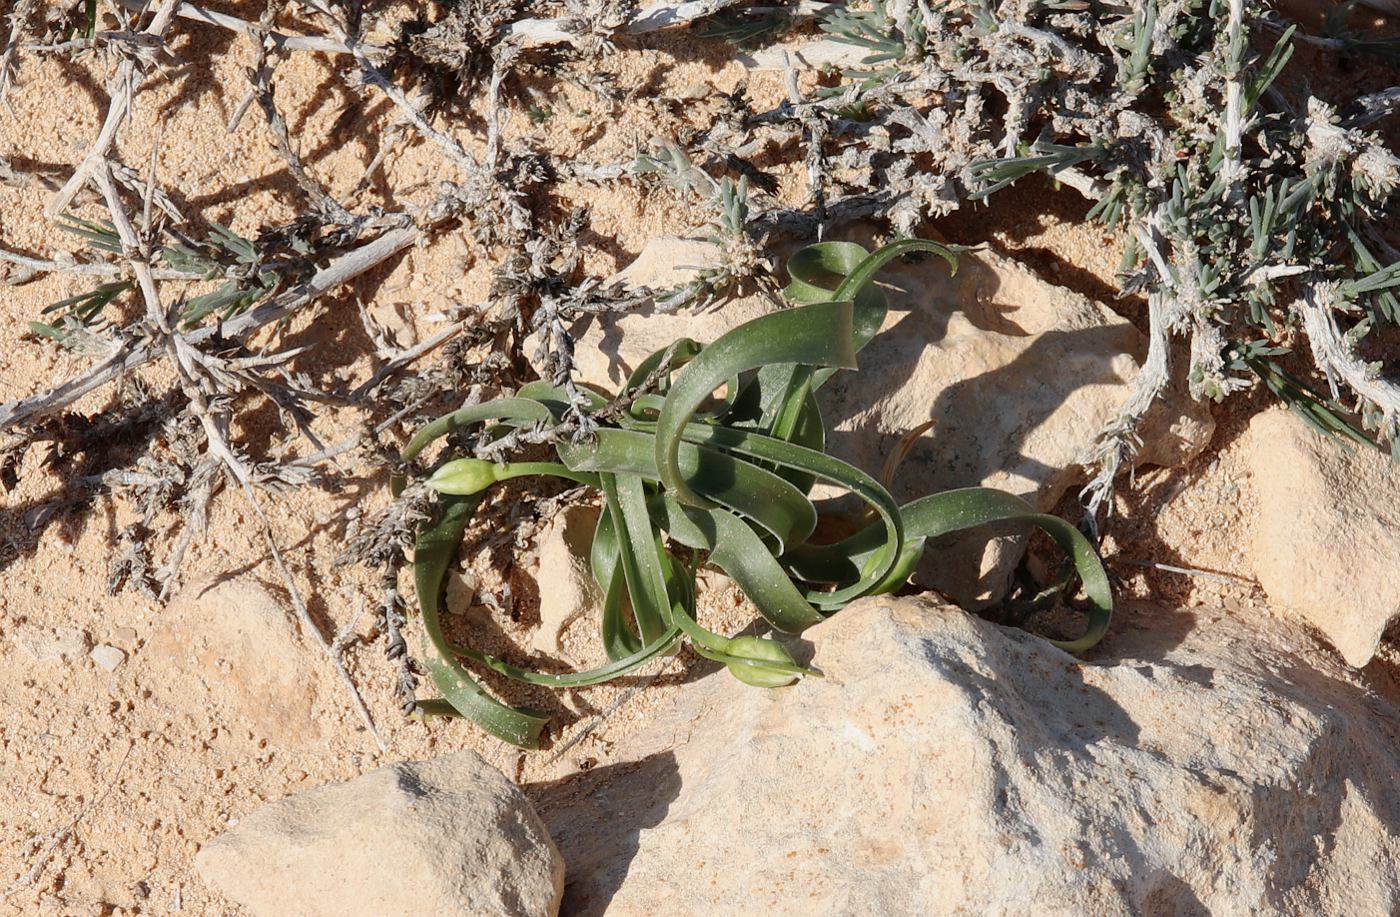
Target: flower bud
pixel 760 650
pixel 464 477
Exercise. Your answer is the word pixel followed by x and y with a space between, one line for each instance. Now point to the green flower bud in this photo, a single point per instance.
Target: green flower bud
pixel 760 650
pixel 466 476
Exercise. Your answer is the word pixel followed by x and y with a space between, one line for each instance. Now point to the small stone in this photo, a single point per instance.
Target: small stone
pixel 567 588
pixel 460 592
pixel 124 637
pixel 107 657
pixel 62 644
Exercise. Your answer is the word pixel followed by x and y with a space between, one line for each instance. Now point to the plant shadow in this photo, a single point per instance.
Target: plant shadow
pixel 79 449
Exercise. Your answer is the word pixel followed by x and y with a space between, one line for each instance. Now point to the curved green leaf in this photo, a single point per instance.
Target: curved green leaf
pixel 957 511
pixel 770 501
pixel 604 558
pixel 819 335
pixel 436 545
pixel 736 550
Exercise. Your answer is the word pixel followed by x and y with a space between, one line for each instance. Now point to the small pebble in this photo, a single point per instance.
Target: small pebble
pixel 107 656
pixel 123 637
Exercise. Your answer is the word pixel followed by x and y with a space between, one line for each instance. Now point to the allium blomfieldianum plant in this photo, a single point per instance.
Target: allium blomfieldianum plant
pixel 692 477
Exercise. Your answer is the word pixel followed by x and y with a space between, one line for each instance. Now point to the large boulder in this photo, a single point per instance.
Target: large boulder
pixel 1327 534
pixel 447 836
pixel 1200 763
pixel 1017 374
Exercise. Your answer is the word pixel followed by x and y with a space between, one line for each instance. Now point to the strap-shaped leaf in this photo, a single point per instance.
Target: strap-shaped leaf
pixel 436 545
pixel 736 550
pixel 613 669
pixel 605 557
pixel 556 398
pixel 833 470
pixel 814 272
pixel 957 511
pixel 524 410
pixel 818 335
pixel 518 410
pixel 769 500
pixel 645 582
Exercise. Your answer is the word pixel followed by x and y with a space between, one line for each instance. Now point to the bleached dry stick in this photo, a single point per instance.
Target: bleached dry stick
pixel 406 357
pixel 1118 440
pixel 132 353
pixel 59 835
pixel 215 423
pixel 532 33
pixel 121 91
pixel 91 269
pixel 1232 170
pixel 17 17
pixel 1338 359
pixel 309 624
pixel 279 40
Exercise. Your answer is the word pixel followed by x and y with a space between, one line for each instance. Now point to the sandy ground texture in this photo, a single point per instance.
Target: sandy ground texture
pixel 132 731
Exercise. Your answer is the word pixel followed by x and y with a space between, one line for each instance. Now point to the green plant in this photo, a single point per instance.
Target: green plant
pixel 248 278
pixel 1252 207
pixel 690 477
pixel 747 28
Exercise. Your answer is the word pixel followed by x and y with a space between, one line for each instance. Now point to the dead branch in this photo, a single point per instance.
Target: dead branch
pixel 309 624
pixel 17 18
pixel 279 40
pixel 1338 360
pixel 88 269
pixel 407 357
pixel 260 75
pixel 121 90
pixel 132 353
pixel 199 383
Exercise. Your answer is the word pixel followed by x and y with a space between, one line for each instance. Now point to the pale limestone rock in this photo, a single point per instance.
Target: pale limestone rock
pixel 1018 375
pixel 567 589
pixel 59 644
pixel 107 657
pixel 1199 763
pixel 460 591
pixel 447 836
pixel 1327 534
pixel 239 650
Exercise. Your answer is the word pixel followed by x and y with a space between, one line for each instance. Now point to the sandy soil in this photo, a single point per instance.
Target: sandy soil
pixel 110 781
